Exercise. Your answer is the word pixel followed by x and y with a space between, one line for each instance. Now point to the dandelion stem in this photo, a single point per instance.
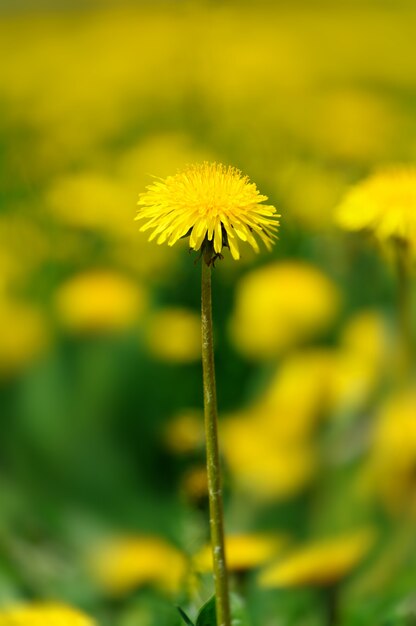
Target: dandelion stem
pixel 404 306
pixel 332 605
pixel 213 458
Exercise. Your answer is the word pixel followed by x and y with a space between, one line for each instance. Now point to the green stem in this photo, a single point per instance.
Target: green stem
pixel 404 306
pixel 331 600
pixel 213 458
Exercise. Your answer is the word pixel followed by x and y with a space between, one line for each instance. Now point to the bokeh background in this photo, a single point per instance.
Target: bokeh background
pixel 102 486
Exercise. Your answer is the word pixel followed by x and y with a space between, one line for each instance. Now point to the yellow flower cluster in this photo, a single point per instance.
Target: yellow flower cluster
pixel 269 447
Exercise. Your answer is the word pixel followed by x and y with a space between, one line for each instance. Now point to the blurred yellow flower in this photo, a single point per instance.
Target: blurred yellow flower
pixel 243 551
pixel 99 301
pixel 262 463
pixel 185 431
pixel 351 383
pixel 164 152
pixel 352 124
pixel 393 455
pixel 360 362
pixel 281 305
pixel 311 204
pixel 194 483
pixel 44 614
pixel 384 204
pixel 123 564
pixel 332 380
pixel 320 563
pixel 174 334
pixel 282 410
pixel 24 246
pixel 88 200
pixel 23 334
pixel 366 334
pixel 101 203
pixel 208 202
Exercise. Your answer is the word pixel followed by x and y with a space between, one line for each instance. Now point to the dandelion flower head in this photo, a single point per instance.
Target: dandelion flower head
pixel 320 563
pixel 262 465
pixel 384 203
pixel 173 335
pixel 208 202
pixel 393 455
pixel 99 300
pixel 281 305
pixel 122 564
pixel 44 614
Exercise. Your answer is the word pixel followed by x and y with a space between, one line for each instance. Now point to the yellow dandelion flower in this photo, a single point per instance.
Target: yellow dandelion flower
pixel 194 484
pixel 209 202
pixel 384 203
pixel 244 551
pixel 23 335
pixel 44 614
pixel 311 369
pixel 393 456
pixel 174 335
pixel 281 305
pixel 99 301
pixel 263 465
pixel 123 564
pixel 320 563
pixel 366 334
pixel 185 432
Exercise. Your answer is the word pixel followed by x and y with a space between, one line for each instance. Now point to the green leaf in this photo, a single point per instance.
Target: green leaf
pixel 207 615
pixel 184 616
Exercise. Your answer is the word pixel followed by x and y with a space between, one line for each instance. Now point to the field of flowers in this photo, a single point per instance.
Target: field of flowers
pixel 104 516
